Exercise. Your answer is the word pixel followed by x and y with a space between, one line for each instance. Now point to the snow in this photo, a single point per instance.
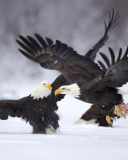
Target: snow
pixel 70 142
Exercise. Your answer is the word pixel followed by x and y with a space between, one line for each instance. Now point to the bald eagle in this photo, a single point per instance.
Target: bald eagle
pixel 102 90
pixel 60 57
pixel 97 115
pixel 38 109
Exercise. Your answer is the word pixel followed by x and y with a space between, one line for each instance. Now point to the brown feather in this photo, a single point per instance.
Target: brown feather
pixel 105 59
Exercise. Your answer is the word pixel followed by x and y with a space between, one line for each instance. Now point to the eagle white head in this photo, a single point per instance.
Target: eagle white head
pixel 42 90
pixel 73 90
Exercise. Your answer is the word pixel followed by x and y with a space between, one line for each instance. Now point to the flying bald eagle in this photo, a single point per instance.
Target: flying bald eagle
pixel 38 109
pixel 60 57
pixel 102 90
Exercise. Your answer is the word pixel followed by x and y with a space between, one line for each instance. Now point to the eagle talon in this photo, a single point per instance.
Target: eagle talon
pixel 117 110
pixel 109 120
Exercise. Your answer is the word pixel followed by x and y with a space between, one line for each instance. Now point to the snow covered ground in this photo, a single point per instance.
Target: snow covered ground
pixel 71 142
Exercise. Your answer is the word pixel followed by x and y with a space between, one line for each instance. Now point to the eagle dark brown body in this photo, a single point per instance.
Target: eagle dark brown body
pixel 107 96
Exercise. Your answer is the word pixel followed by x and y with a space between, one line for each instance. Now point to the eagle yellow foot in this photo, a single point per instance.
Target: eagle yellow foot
pixel 118 110
pixel 109 120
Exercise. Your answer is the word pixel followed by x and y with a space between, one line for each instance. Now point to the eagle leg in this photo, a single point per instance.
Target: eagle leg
pixel 109 120
pixel 117 110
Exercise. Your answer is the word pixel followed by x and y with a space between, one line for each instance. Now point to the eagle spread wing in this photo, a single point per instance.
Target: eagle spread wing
pixel 12 108
pixel 113 18
pixel 59 57
pixel 117 72
pixel 49 42
pixel 115 75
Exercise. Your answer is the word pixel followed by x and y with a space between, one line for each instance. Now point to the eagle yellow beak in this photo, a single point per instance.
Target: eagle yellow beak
pixel 58 91
pixel 48 86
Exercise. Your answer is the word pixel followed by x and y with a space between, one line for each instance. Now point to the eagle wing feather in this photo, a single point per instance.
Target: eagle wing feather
pixel 13 108
pixel 61 58
pixel 117 73
pixel 113 18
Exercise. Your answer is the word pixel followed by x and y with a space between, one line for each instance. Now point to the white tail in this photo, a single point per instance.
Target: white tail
pixel 79 121
pixel 92 121
pixel 123 90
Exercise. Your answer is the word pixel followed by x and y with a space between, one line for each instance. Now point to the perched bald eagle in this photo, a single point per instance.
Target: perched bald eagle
pixel 60 57
pixel 38 108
